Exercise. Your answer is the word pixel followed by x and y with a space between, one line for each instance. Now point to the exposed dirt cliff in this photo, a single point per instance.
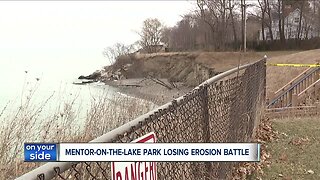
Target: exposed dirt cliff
pixel 190 68
pixel 176 67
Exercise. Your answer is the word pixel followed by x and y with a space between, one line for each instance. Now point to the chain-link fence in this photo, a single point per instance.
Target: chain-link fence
pixel 225 108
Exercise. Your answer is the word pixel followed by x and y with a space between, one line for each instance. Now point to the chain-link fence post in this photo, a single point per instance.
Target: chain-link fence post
pixel 206 125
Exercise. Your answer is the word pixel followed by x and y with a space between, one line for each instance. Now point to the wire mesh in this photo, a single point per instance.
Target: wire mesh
pixel 223 111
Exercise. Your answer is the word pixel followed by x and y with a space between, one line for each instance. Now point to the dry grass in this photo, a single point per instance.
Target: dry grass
pixel 29 123
pixel 279 76
pixel 294 154
pixel 222 61
pixel 165 54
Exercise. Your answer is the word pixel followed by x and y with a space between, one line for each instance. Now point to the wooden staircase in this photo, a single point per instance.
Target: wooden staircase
pixel 299 91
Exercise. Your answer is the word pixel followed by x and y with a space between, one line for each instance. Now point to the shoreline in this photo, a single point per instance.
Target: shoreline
pixel 149 90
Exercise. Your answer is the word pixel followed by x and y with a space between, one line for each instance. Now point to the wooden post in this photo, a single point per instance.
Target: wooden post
pixel 272 98
pixel 317 91
pixel 318 107
pixel 290 96
pixel 316 75
pixel 295 100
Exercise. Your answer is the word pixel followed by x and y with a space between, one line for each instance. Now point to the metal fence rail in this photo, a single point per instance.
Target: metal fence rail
pixel 225 108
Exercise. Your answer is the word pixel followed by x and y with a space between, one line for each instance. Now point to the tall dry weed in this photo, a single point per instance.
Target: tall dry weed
pixel 32 122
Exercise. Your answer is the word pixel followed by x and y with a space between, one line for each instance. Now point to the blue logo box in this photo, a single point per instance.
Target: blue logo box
pixel 40 152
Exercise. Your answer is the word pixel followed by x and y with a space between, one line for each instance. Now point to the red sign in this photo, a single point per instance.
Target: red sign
pixel 136 170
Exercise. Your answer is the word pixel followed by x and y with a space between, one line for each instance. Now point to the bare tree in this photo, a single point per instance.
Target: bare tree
pixel 220 16
pixel 316 22
pixel 265 18
pixel 243 2
pixel 279 7
pixel 165 38
pixel 185 32
pixel 232 7
pixel 151 35
pixel 207 17
pixel 263 8
pixel 304 18
pixel 300 20
pixel 268 11
pixel 118 49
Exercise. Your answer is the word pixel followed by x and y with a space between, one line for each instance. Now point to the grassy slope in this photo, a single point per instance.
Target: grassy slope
pixel 223 61
pixel 296 151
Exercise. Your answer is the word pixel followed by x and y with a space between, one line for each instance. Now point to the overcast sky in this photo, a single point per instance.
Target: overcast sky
pixel 81 24
pixel 57 41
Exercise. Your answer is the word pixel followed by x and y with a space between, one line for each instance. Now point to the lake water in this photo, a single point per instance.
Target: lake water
pixel 50 72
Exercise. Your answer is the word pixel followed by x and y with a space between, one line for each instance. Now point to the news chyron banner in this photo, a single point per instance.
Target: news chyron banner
pixel 141 154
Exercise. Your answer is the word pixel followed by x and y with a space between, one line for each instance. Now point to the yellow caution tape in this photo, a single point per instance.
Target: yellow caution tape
pixel 294 65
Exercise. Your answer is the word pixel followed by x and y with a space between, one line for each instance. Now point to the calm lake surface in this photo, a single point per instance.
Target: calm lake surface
pixel 51 72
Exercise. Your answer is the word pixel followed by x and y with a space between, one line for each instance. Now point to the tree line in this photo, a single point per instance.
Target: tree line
pixel 222 25
pixel 219 24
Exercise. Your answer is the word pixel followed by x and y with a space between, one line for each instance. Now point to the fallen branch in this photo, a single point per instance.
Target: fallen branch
pixel 158 81
pixel 132 85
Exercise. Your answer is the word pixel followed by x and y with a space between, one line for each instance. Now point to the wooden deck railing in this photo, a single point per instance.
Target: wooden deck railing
pixel 311 93
pixel 292 82
pixel 289 93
